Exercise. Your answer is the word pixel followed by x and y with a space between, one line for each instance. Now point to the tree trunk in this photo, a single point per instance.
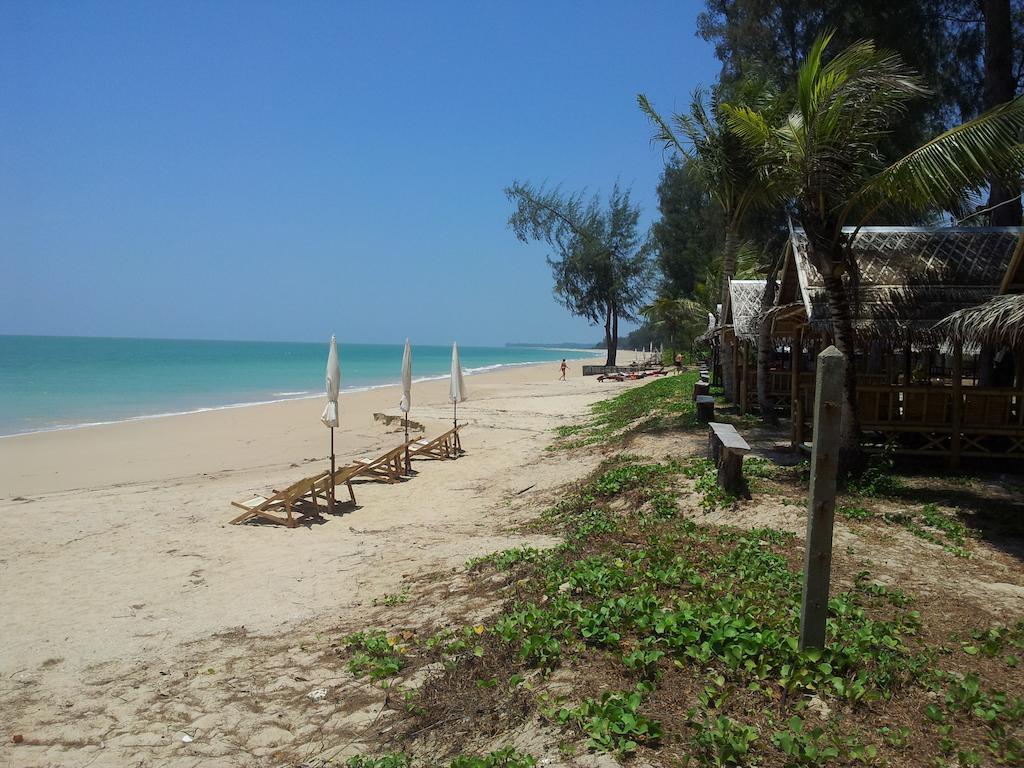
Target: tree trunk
pixel 764 350
pixel 842 334
pixel 609 348
pixel 614 348
pixel 732 242
pixel 1000 86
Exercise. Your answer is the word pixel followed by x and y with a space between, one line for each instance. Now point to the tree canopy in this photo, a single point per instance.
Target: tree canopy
pixel 601 262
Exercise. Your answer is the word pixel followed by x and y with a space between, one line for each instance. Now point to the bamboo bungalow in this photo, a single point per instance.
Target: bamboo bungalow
pixel 915 392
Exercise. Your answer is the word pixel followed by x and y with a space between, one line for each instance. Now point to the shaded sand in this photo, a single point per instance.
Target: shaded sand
pixel 134 616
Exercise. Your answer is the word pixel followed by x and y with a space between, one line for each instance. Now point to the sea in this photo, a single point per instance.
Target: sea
pixel 51 382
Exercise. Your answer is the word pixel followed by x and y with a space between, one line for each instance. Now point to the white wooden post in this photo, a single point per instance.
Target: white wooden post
pixel 828 412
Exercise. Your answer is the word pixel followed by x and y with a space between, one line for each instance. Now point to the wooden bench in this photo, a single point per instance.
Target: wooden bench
pixel 705 408
pixel 726 447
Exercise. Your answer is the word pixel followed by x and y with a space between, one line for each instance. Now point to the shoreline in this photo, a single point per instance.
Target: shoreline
pixel 284 398
pixel 118 547
pixel 270 437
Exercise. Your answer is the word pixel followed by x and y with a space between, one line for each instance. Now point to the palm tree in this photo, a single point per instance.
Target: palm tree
pixel 678 317
pixel 827 154
pixel 724 165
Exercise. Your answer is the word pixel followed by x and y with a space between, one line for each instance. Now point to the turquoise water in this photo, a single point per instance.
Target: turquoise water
pixel 49 382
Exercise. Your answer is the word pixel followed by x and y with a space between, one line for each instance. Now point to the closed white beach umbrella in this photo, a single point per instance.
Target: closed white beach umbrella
pixel 456 393
pixel 330 415
pixel 406 403
pixel 457 387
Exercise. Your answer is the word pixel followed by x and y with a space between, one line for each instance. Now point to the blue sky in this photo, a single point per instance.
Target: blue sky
pixel 284 171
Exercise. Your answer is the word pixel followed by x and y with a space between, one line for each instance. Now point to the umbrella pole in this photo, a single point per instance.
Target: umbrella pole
pixel 408 466
pixel 332 497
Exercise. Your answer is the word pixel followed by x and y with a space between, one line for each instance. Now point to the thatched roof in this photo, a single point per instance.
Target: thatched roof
pixel 910 277
pixel 999 321
pixel 743 307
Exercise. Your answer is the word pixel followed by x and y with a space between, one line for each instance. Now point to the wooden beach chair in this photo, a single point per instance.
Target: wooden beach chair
pixel 386 467
pixel 446 446
pixel 289 501
pixel 321 488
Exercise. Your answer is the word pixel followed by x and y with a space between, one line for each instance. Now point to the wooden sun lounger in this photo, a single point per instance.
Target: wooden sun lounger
pixel 446 446
pixel 289 500
pixel 321 488
pixel 301 499
pixel 387 467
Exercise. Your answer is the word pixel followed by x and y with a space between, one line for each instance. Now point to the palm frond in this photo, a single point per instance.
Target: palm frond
pixel 998 321
pixel 663 133
pixel 962 160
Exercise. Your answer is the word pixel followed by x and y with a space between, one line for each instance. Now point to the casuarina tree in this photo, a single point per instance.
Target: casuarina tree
pixel 601 262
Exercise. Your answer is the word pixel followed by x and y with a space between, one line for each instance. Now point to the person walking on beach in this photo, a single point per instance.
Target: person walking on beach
pixel 679 362
pixel 564 369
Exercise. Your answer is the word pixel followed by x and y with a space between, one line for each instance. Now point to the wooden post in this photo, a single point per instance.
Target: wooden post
pixel 705 409
pixel 828 416
pixel 794 385
pixel 958 409
pixel 743 377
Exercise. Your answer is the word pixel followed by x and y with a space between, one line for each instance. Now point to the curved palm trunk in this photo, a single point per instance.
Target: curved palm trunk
pixel 1000 86
pixel 764 350
pixel 732 243
pixel 842 333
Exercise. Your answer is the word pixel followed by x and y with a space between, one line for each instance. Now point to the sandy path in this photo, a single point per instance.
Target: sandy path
pixel 130 607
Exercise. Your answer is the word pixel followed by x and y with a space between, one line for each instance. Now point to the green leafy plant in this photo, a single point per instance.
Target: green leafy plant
pixel 386 761
pixel 877 478
pixel 802 746
pixel 392 599
pixel 614 723
pixel 854 513
pixel 502 758
pixel 723 742
pixel 375 654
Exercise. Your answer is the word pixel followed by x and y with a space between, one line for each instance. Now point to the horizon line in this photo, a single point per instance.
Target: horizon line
pixel 266 341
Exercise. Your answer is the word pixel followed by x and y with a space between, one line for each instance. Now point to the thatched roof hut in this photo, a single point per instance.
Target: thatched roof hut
pixel 909 278
pixel 742 310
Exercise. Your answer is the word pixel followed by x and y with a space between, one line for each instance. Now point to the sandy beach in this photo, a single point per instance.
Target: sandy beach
pixel 117 558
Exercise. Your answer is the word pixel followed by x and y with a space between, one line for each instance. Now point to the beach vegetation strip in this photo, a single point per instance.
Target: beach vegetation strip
pixel 665 403
pixel 646 633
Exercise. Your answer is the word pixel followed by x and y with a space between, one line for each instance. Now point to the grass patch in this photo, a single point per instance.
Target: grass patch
pixel 665 402
pixel 679 643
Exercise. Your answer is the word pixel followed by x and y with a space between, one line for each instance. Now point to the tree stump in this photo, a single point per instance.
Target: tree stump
pixel 726 448
pixel 730 472
pixel 701 388
pixel 705 408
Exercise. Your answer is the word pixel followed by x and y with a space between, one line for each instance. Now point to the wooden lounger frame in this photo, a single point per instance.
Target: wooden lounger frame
pixel 387 467
pixel 446 446
pixel 300 499
pixel 289 500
